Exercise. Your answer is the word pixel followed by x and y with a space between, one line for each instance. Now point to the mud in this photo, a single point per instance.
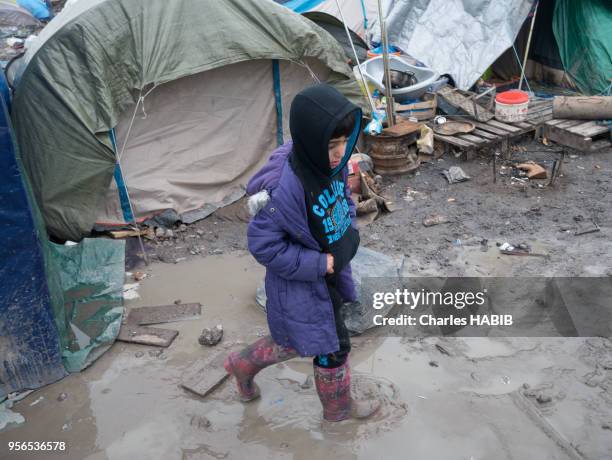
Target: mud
pixel 544 217
pixel 444 398
pixel 129 405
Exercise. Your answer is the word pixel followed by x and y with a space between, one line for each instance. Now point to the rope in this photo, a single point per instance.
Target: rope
pixel 365 17
pixel 365 83
pixel 518 59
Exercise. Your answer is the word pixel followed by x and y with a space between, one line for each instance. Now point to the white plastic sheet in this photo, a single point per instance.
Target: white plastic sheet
pixel 461 38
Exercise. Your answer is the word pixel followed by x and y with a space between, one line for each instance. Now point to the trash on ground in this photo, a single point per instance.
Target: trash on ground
pixel 435 219
pixel 412 195
pixel 586 230
pixel 534 170
pixel 211 336
pixel 455 174
pixel 130 291
pixel 425 143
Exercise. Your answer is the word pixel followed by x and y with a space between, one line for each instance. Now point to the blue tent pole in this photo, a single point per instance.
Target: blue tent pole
pixel 279 102
pixel 124 196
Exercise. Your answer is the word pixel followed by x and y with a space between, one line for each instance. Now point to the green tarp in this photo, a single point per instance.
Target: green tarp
pixel 89 314
pixel 583 30
pixel 87 68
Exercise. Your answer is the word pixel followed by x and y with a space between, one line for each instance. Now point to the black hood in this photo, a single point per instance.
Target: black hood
pixel 315 112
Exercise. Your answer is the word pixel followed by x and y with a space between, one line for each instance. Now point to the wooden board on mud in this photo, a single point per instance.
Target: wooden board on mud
pixel 164 313
pixel 206 374
pixel 146 335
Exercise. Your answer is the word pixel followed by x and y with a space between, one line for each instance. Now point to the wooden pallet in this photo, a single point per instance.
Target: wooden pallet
pixel 495 134
pixel 492 134
pixel 582 135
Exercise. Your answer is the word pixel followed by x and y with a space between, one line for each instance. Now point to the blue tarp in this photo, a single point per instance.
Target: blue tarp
pixel 300 6
pixel 29 342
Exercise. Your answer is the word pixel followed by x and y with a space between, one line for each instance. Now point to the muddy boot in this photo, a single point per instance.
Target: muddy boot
pixel 245 364
pixel 334 389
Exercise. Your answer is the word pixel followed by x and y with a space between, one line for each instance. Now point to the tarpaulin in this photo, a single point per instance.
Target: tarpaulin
pixel 91 276
pixel 461 38
pixel 584 34
pixel 29 340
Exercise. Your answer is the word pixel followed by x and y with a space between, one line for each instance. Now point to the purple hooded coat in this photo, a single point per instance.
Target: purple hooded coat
pixel 299 308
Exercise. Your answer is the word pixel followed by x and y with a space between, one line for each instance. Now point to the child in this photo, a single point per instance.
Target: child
pixel 303 232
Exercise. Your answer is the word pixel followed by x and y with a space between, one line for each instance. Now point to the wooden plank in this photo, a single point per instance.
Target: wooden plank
pixel 523 125
pixel 206 374
pixel 539 119
pixel 504 126
pixel 118 234
pixel 454 141
pixel 584 125
pixel 473 139
pixel 555 122
pixel 164 313
pixel 486 135
pixel 564 137
pixel 490 129
pixel 146 335
pixel 542 114
pixel 589 131
pixel 569 123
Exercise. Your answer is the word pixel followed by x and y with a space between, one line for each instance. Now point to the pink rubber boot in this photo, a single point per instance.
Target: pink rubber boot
pixel 245 364
pixel 334 390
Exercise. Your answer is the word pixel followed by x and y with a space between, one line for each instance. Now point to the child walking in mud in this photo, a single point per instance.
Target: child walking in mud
pixel 303 232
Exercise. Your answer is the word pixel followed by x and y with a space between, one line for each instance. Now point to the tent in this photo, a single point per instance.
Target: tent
pixel 190 96
pixel 464 38
pixel 357 13
pixel 12 14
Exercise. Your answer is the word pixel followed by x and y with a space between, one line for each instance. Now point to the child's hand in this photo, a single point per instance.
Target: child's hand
pixel 330 264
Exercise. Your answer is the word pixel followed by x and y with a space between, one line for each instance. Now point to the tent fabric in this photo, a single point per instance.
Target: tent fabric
pixel 584 34
pixel 357 13
pixel 94 60
pixel 336 29
pixel 12 14
pixel 461 38
pixel 201 137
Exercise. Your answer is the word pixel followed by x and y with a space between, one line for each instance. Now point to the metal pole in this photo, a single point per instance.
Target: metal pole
pixel 535 11
pixel 387 75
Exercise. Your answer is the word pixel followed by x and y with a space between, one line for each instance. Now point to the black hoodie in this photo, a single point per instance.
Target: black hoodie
pixel 315 113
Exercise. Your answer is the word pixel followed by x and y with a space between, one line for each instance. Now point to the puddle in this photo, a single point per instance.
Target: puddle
pixel 129 404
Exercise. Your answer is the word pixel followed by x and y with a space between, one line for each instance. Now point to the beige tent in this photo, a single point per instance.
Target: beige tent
pixel 185 88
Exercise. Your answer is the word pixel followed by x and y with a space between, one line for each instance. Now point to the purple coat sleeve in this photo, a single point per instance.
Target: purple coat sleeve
pixel 349 199
pixel 272 247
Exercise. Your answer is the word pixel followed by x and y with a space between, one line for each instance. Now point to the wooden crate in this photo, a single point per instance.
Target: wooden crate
pixel 496 134
pixel 487 135
pixel 582 135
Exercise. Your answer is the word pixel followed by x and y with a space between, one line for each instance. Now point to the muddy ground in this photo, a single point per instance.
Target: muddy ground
pixel 444 398
pixel 545 217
